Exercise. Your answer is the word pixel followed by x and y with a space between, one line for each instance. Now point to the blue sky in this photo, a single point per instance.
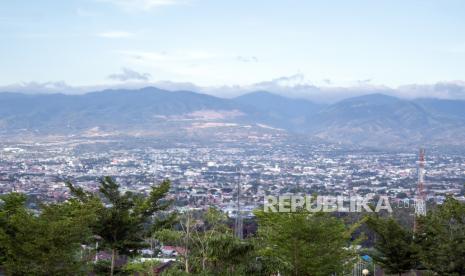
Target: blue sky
pixel 213 42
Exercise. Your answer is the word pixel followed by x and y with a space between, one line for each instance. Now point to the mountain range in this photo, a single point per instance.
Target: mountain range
pixel 374 119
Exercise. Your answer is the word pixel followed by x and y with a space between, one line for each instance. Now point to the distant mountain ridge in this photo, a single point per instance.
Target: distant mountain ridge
pixel 278 111
pixel 374 119
pixel 108 108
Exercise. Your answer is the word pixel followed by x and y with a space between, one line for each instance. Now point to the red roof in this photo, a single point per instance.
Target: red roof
pixel 180 250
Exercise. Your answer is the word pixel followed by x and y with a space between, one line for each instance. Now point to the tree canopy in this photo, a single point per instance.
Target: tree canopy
pixel 123 220
pixel 441 236
pixel 304 243
pixel 395 249
pixel 47 243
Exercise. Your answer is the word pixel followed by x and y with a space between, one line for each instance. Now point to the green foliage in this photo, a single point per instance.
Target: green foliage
pixel 395 249
pixel 123 219
pixel 140 268
pixel 102 267
pixel 212 247
pixel 303 243
pixel 47 243
pixel 175 270
pixel 441 236
pixel 169 236
pixel 226 254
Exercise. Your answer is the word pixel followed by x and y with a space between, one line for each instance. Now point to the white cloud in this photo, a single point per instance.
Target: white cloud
pixel 247 59
pixel 143 5
pixel 186 65
pixel 157 56
pixel 130 79
pixel 442 90
pixel 115 34
pixel 128 74
pixel 34 87
pixel 289 81
pixel 364 82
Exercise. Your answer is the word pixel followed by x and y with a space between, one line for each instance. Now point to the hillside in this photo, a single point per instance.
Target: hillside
pixel 373 120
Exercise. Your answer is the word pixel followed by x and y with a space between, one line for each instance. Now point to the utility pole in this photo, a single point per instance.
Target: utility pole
pixel 420 204
pixel 238 227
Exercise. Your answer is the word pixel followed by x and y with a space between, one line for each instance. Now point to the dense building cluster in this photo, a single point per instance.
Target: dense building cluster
pixel 209 173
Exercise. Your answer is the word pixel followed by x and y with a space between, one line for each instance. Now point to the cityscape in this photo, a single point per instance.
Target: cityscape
pixel 207 174
pixel 232 138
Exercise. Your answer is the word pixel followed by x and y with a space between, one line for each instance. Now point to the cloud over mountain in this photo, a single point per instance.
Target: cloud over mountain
pixel 129 74
pixel 293 86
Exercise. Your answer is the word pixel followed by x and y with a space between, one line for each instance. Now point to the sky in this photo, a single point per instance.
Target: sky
pixel 233 43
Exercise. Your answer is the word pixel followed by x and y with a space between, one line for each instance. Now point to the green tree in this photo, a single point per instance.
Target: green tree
pixel 441 236
pixel 124 219
pixel 228 255
pixel 395 249
pixel 211 247
pixel 216 247
pixel 140 268
pixel 303 243
pixel 43 243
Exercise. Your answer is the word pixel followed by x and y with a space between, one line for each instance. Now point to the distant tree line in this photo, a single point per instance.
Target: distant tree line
pixel 64 238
